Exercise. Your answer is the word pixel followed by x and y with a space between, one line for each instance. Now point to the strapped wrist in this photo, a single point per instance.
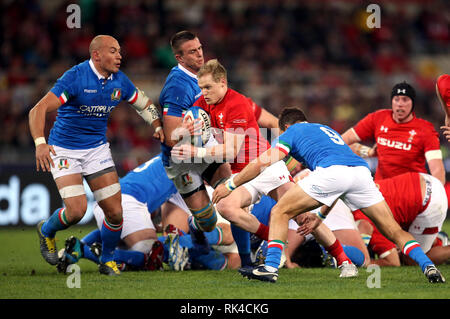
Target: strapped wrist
pixel 229 184
pixel 364 151
pixel 39 141
pixel 319 214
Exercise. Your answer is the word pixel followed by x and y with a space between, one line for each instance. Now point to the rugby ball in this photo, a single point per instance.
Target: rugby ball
pixel 196 112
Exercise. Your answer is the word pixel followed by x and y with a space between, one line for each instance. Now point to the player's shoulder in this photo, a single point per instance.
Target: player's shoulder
pixel 423 123
pixel 177 77
pixel 237 101
pixel 78 69
pixel 178 83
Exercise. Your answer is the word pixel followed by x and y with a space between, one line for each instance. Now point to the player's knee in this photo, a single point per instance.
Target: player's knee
pixel 364 227
pixel 276 212
pixel 114 216
pixel 226 209
pixel 75 213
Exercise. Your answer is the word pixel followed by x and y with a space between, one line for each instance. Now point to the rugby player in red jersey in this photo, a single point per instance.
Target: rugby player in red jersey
pixel 404 143
pixel 419 205
pixel 443 94
pixel 240 140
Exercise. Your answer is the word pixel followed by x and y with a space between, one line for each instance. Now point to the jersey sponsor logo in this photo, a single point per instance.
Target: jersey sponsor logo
pixel 89 91
pixel 394 144
pixel 239 121
pixel 116 94
pixel 96 110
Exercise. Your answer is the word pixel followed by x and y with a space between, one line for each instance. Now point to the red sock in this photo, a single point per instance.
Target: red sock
pixel 263 232
pixel 337 252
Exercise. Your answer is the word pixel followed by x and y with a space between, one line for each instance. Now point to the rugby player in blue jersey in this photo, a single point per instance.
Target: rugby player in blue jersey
pixel 336 173
pixel 77 147
pixel 179 93
pixel 144 190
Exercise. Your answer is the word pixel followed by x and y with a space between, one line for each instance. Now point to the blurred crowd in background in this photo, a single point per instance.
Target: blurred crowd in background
pixel 319 55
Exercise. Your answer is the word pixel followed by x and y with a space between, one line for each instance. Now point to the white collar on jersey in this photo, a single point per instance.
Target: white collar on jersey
pixel 182 68
pixel 100 77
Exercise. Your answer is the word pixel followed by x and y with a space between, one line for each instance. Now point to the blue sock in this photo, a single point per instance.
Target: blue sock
pixel 214 260
pixel 110 238
pixel 215 236
pixel 274 252
pixel 242 239
pixel 355 255
pixel 129 257
pixel 413 250
pixel 93 237
pixel 87 253
pixel 56 222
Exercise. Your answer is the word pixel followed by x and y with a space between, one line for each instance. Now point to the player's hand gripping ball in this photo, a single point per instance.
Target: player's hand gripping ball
pixel 200 138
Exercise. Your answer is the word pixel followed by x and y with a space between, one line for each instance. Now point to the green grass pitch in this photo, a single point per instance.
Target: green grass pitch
pixel 25 275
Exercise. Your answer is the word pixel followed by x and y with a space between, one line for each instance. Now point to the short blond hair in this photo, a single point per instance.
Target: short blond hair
pixel 214 68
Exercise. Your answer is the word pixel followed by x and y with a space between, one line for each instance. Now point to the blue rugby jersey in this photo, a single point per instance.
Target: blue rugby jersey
pixel 317 145
pixel 87 100
pixel 149 184
pixel 179 93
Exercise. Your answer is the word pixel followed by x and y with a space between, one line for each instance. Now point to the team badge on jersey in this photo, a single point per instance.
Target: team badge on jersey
pixel 115 96
pixel 63 163
pixel 412 133
pixel 187 179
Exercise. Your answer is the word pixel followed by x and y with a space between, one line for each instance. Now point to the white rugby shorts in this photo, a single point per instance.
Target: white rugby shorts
pixel 271 178
pixel 135 216
pixel 85 161
pixel 340 217
pixel 353 184
pixel 428 223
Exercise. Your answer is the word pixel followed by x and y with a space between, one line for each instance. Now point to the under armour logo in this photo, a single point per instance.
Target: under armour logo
pixel 401 91
pixel 383 129
pixel 220 116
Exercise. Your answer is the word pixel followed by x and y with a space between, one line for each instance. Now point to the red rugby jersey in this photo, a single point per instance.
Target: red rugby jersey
pixel 443 84
pixel 401 147
pixel 235 114
pixel 404 197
